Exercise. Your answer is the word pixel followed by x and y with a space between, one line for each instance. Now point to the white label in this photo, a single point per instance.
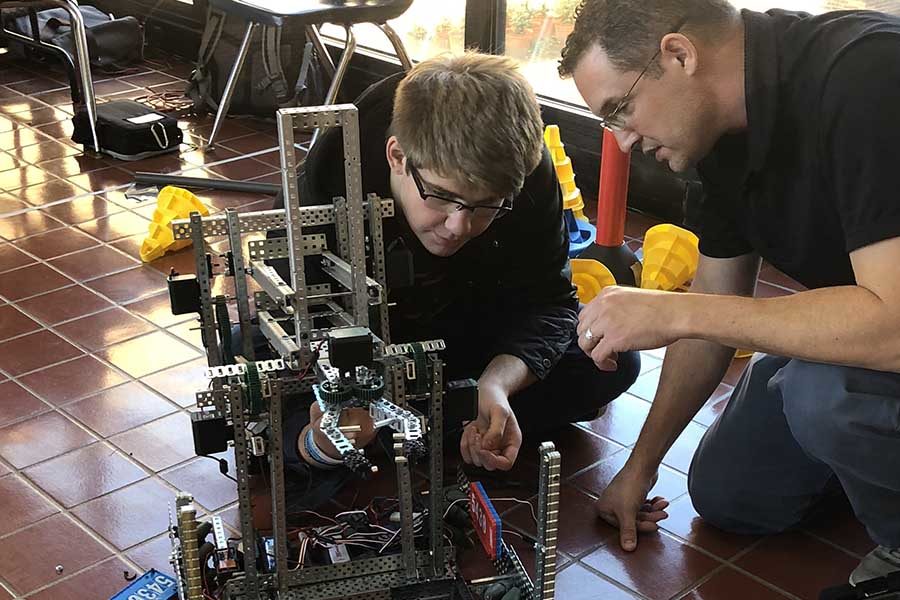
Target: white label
pixel 339 554
pixel 148 118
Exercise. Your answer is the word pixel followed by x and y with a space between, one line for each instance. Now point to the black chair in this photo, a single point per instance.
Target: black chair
pixel 312 13
pixel 78 67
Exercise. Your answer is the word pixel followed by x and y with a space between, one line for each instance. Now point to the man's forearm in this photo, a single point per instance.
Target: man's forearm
pixel 691 372
pixel 507 372
pixel 846 325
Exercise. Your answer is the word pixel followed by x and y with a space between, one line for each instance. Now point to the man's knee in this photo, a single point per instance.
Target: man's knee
pixel 730 506
pixel 816 405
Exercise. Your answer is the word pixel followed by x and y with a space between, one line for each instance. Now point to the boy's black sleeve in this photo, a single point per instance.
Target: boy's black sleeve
pixel 537 311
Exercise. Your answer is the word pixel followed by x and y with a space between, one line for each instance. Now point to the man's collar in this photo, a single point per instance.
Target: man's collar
pixel 761 55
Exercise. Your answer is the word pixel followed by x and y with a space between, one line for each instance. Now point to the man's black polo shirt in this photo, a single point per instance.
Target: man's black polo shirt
pixel 816 174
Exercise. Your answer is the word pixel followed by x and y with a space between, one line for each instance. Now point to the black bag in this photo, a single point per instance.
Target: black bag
pixel 281 70
pixel 113 44
pixel 128 130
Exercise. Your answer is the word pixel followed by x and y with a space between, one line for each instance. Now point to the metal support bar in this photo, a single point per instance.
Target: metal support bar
pixel 242 474
pixel 278 337
pixel 187 531
pixel 207 320
pixel 294 226
pixel 276 477
pixel 240 282
pixel 407 533
pixel 343 273
pixel 355 219
pixel 265 220
pixel 548 517
pixel 437 466
pixel 379 270
pixel 272 283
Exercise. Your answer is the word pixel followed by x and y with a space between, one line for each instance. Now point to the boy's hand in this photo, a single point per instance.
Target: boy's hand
pixel 493 440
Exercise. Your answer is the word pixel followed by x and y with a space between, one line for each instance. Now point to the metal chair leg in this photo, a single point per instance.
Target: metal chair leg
pixel 84 65
pixel 340 72
pixel 397 43
pixel 316 38
pixel 229 85
pixel 343 65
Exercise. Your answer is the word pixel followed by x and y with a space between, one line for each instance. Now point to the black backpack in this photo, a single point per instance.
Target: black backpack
pixel 113 44
pixel 281 69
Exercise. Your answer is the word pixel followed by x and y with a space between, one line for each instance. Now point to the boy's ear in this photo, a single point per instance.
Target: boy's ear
pixel 395 155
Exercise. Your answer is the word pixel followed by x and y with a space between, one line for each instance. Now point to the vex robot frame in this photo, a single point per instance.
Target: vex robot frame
pixel 333 354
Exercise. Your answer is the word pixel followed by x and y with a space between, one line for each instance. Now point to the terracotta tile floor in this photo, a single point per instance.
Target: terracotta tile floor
pixel 95 376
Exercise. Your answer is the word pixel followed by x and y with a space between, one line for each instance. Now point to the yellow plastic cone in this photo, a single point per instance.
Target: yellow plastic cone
pixel 670 257
pixel 571 194
pixel 172 203
pixel 590 276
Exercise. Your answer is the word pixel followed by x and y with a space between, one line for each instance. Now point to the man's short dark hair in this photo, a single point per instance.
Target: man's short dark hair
pixel 629 31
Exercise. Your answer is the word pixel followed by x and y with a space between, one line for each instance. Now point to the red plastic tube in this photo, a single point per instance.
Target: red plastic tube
pixel 613 196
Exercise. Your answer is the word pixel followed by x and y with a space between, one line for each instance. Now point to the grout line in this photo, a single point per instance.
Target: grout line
pixel 612 581
pixel 834 545
pixel 78 523
pixel 191 167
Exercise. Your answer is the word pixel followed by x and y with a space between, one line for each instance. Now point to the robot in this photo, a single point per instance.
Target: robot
pixel 330 342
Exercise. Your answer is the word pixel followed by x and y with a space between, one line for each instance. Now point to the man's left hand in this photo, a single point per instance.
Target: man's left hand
pixel 623 318
pixel 493 440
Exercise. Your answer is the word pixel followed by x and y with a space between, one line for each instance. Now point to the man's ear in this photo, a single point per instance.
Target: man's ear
pixel 395 155
pixel 678 49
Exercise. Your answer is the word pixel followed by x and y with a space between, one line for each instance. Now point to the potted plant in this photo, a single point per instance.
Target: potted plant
pixel 416 40
pixel 441 40
pixel 519 34
pixel 564 10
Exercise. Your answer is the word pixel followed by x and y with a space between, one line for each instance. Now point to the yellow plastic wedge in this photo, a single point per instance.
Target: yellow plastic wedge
pixel 552 137
pixel 172 203
pixel 670 257
pixel 590 276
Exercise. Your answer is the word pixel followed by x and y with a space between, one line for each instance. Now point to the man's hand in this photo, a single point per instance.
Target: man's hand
pixel 492 441
pixel 349 417
pixel 624 504
pixel 623 318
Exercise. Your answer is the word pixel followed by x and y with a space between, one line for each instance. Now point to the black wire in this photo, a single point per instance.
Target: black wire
pixel 223 465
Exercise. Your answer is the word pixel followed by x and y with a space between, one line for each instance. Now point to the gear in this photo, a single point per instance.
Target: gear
pixel 358 463
pixel 415 450
pixel 371 390
pixel 333 393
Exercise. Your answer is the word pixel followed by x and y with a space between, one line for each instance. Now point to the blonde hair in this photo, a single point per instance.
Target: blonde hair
pixel 472 118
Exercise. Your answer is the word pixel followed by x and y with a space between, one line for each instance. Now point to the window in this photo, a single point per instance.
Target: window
pixel 536 31
pixel 820 6
pixel 428 28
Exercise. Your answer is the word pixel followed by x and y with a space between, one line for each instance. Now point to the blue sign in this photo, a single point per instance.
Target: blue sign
pixel 152 585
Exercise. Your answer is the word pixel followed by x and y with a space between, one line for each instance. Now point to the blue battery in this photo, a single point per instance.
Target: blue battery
pixel 152 585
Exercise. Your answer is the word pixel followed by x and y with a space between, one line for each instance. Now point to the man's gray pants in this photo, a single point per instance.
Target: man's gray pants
pixel 790 427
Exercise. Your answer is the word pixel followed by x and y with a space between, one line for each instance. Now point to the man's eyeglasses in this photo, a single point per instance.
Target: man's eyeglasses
pixel 488 211
pixel 613 121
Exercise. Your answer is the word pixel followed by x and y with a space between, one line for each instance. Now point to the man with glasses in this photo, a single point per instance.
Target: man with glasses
pixel 792 121
pixel 477 252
